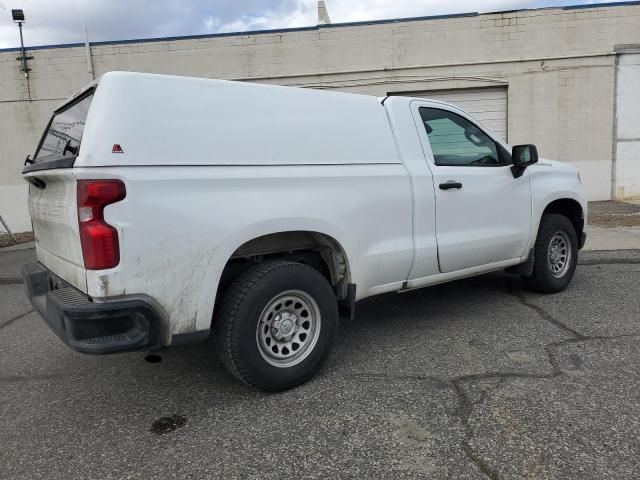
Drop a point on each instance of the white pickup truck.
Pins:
(167, 209)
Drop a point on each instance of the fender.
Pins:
(550, 182)
(238, 238)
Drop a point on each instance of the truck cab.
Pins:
(485, 208)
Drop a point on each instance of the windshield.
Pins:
(62, 138)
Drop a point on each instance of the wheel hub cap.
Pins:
(288, 328)
(559, 254)
(284, 326)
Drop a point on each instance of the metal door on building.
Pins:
(488, 104)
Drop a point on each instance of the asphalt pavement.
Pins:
(475, 379)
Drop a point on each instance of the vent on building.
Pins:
(323, 14)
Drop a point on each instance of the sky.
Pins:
(60, 21)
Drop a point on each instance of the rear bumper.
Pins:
(130, 323)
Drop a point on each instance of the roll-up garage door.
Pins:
(488, 105)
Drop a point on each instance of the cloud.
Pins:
(60, 21)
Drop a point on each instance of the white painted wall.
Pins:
(13, 205)
(627, 166)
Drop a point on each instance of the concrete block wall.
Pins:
(558, 65)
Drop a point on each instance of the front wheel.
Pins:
(276, 325)
(555, 254)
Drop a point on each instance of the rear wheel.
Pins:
(555, 253)
(276, 325)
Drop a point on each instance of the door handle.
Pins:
(450, 185)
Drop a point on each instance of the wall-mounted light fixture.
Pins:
(18, 15)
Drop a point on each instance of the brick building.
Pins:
(566, 79)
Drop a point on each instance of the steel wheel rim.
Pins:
(288, 328)
(559, 254)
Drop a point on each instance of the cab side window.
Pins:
(455, 141)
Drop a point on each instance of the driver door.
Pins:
(483, 213)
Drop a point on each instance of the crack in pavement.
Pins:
(465, 405)
(522, 299)
(465, 410)
(11, 281)
(10, 321)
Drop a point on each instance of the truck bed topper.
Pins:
(167, 120)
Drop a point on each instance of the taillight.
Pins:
(99, 240)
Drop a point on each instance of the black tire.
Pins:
(243, 306)
(543, 278)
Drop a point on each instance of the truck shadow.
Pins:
(474, 307)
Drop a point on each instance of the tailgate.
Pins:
(52, 191)
(54, 215)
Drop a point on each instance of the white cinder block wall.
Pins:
(559, 66)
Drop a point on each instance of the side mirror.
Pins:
(522, 156)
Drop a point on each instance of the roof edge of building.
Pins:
(319, 27)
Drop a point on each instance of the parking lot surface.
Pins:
(475, 379)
